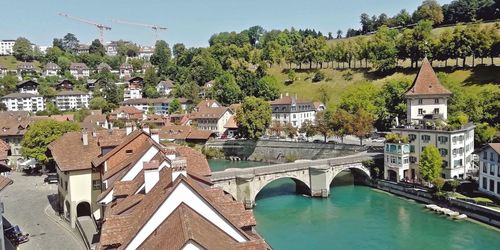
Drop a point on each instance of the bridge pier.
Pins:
(320, 181)
(245, 190)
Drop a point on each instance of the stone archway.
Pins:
(358, 168)
(83, 209)
(301, 186)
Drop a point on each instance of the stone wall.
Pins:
(282, 151)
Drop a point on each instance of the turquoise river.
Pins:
(357, 217)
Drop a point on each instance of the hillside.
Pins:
(11, 63)
(474, 79)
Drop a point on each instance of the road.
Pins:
(26, 204)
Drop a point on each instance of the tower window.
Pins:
(436, 101)
(419, 101)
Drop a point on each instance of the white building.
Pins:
(3, 70)
(396, 160)
(126, 70)
(209, 116)
(159, 105)
(291, 110)
(111, 49)
(26, 68)
(24, 102)
(426, 96)
(51, 69)
(79, 70)
(146, 53)
(489, 174)
(72, 100)
(6, 47)
(165, 87)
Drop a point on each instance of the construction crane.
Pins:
(154, 28)
(100, 27)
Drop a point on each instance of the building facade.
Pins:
(51, 69)
(290, 110)
(396, 161)
(126, 70)
(489, 173)
(79, 70)
(7, 47)
(72, 100)
(24, 102)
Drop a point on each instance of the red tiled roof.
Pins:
(4, 150)
(287, 100)
(231, 123)
(426, 82)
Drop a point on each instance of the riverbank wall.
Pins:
(474, 211)
(281, 151)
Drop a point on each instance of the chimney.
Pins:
(151, 175)
(85, 137)
(155, 135)
(128, 128)
(145, 128)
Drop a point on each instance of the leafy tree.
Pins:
(151, 92)
(225, 89)
(161, 56)
(57, 43)
(3, 107)
(340, 122)
(276, 128)
(291, 75)
(98, 103)
(438, 183)
(308, 128)
(323, 93)
(458, 120)
(254, 33)
(429, 10)
(391, 96)
(403, 18)
(361, 125)
(52, 109)
(253, 117)
(174, 106)
(204, 68)
(22, 49)
(128, 49)
(430, 163)
(484, 133)
(267, 88)
(322, 124)
(290, 130)
(318, 76)
(52, 54)
(81, 114)
(41, 134)
(454, 184)
(339, 34)
(97, 48)
(70, 43)
(8, 84)
(136, 63)
(383, 49)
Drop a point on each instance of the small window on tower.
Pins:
(419, 101)
(436, 101)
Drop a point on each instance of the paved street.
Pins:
(27, 205)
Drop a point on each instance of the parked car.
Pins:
(51, 178)
(318, 141)
(379, 139)
(332, 142)
(301, 139)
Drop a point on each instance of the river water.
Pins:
(358, 217)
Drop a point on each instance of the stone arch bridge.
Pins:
(311, 177)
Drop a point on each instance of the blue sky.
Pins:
(191, 22)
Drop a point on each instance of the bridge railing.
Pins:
(286, 167)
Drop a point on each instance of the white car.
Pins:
(380, 139)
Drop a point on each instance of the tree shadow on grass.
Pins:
(484, 75)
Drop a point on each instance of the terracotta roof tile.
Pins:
(231, 123)
(426, 82)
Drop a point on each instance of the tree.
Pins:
(161, 56)
(70, 43)
(150, 77)
(458, 120)
(225, 89)
(429, 10)
(383, 49)
(255, 33)
(267, 88)
(339, 34)
(151, 92)
(52, 109)
(290, 130)
(308, 128)
(22, 49)
(339, 123)
(276, 128)
(438, 183)
(484, 133)
(454, 184)
(97, 48)
(81, 114)
(430, 163)
(174, 106)
(253, 117)
(361, 125)
(98, 103)
(41, 134)
(322, 124)
(8, 84)
(403, 18)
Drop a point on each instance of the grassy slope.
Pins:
(473, 79)
(11, 63)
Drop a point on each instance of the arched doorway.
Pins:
(283, 186)
(83, 209)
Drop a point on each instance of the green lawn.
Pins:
(11, 63)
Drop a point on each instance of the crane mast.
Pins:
(100, 27)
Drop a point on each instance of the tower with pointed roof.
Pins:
(427, 98)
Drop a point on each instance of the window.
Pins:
(96, 184)
(436, 101)
(484, 183)
(426, 138)
(420, 101)
(491, 156)
(393, 160)
(420, 111)
(413, 159)
(399, 160)
(457, 163)
(443, 151)
(442, 139)
(485, 155)
(412, 137)
(492, 185)
(498, 187)
(436, 111)
(492, 169)
(412, 148)
(485, 168)
(406, 160)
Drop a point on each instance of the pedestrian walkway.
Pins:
(88, 229)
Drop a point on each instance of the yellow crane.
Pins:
(100, 27)
(155, 28)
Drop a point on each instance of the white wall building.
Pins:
(79, 70)
(3, 70)
(289, 109)
(396, 160)
(6, 47)
(126, 70)
(132, 92)
(165, 87)
(455, 145)
(489, 173)
(24, 102)
(51, 69)
(72, 100)
(212, 119)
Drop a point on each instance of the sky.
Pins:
(191, 22)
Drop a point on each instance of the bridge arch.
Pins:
(358, 168)
(302, 183)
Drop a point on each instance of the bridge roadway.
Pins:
(312, 177)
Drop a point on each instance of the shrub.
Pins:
(347, 75)
(318, 76)
(396, 138)
(212, 153)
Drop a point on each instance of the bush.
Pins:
(212, 153)
(291, 75)
(396, 138)
(291, 157)
(347, 75)
(318, 76)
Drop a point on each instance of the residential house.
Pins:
(156, 120)
(145, 53)
(319, 106)
(96, 120)
(4, 153)
(158, 106)
(489, 173)
(133, 91)
(64, 85)
(28, 86)
(207, 103)
(24, 102)
(3, 70)
(126, 113)
(79, 70)
(164, 87)
(426, 112)
(231, 128)
(103, 66)
(72, 100)
(82, 49)
(146, 66)
(59, 118)
(111, 48)
(206, 88)
(290, 110)
(212, 119)
(7, 47)
(79, 185)
(179, 119)
(126, 70)
(13, 126)
(51, 69)
(184, 133)
(26, 68)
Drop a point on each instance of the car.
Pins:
(379, 139)
(51, 178)
(301, 139)
(332, 142)
(318, 141)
